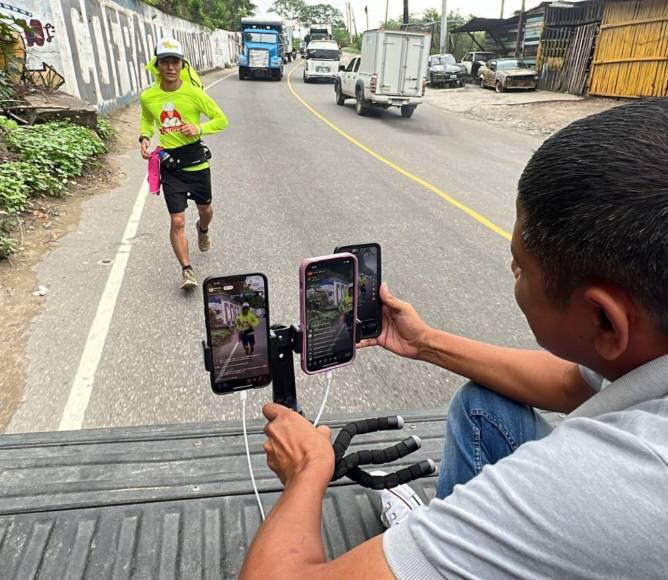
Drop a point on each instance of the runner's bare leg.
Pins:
(177, 235)
(205, 216)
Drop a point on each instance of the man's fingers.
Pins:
(388, 299)
(273, 410)
(367, 342)
(326, 431)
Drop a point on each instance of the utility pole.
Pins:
(520, 32)
(444, 27)
(503, 4)
(387, 10)
(366, 11)
(406, 15)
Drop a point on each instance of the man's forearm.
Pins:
(289, 542)
(536, 378)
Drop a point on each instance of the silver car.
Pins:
(508, 73)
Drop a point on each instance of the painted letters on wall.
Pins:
(97, 49)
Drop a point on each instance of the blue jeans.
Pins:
(482, 428)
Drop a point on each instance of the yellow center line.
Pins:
(423, 182)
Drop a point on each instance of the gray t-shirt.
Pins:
(588, 501)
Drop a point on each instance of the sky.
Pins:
(482, 8)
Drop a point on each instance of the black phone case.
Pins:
(208, 348)
(362, 335)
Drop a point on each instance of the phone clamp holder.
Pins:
(349, 465)
(283, 341)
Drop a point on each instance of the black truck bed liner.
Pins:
(163, 502)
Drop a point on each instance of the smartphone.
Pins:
(369, 305)
(328, 311)
(236, 310)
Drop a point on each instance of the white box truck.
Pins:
(391, 72)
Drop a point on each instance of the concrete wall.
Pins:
(97, 49)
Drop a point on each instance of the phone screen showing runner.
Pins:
(369, 306)
(328, 310)
(237, 326)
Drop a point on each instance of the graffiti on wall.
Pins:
(31, 32)
(99, 48)
(111, 44)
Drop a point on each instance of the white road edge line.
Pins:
(82, 386)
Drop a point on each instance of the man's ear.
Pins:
(612, 319)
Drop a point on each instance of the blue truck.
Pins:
(262, 52)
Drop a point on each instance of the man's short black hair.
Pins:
(593, 202)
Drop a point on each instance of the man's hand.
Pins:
(403, 329)
(189, 130)
(145, 144)
(295, 446)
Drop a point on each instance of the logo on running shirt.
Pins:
(170, 119)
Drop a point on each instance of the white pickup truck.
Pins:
(391, 72)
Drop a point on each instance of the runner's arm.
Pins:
(146, 121)
(217, 119)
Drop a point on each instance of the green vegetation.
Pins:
(430, 21)
(44, 158)
(305, 14)
(226, 14)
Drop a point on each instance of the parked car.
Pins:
(442, 70)
(391, 72)
(321, 60)
(472, 61)
(508, 73)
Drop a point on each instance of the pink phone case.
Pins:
(302, 308)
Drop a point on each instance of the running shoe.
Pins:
(203, 239)
(189, 280)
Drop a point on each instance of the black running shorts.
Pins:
(179, 186)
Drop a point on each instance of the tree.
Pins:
(431, 15)
(322, 14)
(225, 14)
(289, 9)
(430, 21)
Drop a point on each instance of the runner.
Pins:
(246, 324)
(174, 105)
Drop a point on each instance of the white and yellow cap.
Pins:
(169, 47)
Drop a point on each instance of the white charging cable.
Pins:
(324, 399)
(242, 395)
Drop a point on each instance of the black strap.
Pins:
(186, 155)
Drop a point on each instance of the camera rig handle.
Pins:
(349, 465)
(283, 341)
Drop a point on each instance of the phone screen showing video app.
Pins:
(330, 313)
(369, 305)
(238, 325)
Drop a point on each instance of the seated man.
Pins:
(586, 500)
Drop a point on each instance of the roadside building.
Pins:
(612, 48)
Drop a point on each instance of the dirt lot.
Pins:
(537, 113)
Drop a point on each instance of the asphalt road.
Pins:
(286, 186)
